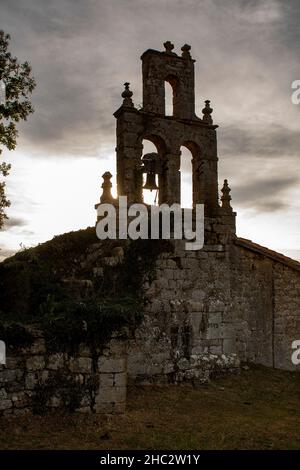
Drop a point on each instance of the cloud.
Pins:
(13, 222)
(270, 141)
(265, 195)
(82, 52)
(246, 55)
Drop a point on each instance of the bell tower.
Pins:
(168, 133)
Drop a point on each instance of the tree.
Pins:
(17, 85)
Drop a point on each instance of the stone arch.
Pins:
(156, 140)
(174, 83)
(197, 178)
(153, 197)
(193, 147)
(186, 177)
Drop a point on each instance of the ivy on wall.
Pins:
(33, 291)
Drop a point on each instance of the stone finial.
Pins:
(106, 196)
(226, 198)
(186, 51)
(207, 111)
(127, 94)
(169, 47)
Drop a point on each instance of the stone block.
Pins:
(112, 365)
(183, 364)
(20, 400)
(55, 361)
(213, 331)
(117, 347)
(79, 378)
(229, 346)
(199, 347)
(214, 318)
(120, 379)
(216, 350)
(35, 363)
(5, 404)
(8, 376)
(194, 306)
(14, 362)
(38, 347)
(195, 320)
(80, 365)
(84, 351)
(54, 402)
(22, 412)
(84, 409)
(106, 380)
(227, 331)
(32, 379)
(196, 294)
(110, 407)
(168, 368)
(110, 394)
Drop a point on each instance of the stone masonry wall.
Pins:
(266, 304)
(251, 292)
(210, 309)
(189, 331)
(34, 380)
(206, 311)
(286, 314)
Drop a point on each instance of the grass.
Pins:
(260, 409)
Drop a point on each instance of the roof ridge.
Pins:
(281, 258)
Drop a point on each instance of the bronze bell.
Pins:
(150, 182)
(149, 165)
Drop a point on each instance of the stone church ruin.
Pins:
(205, 311)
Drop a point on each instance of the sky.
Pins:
(247, 56)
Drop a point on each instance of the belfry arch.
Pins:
(186, 177)
(169, 99)
(150, 181)
(167, 133)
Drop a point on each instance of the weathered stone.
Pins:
(112, 365)
(194, 306)
(111, 394)
(32, 379)
(55, 361)
(7, 375)
(20, 400)
(35, 363)
(14, 362)
(110, 407)
(84, 351)
(38, 347)
(81, 364)
(117, 347)
(120, 379)
(106, 380)
(5, 404)
(84, 409)
(3, 394)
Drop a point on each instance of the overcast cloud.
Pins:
(247, 55)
